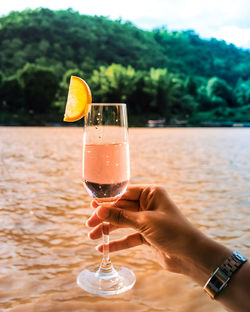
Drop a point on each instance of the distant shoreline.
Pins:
(201, 125)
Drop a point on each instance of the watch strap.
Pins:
(233, 263)
(222, 275)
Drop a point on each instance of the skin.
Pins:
(178, 246)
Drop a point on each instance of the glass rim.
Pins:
(108, 104)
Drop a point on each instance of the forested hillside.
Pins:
(159, 74)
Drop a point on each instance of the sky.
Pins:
(222, 19)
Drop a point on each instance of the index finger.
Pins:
(133, 192)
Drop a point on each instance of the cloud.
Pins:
(234, 34)
(222, 19)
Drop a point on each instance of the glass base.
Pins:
(116, 281)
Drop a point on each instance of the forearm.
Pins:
(204, 257)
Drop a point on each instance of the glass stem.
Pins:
(105, 232)
(106, 265)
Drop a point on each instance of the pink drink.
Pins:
(106, 169)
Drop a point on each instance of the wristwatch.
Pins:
(222, 275)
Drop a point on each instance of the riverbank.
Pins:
(228, 117)
(227, 124)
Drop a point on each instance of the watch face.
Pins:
(239, 256)
(216, 282)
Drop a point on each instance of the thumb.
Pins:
(117, 216)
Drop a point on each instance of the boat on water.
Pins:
(156, 123)
(159, 123)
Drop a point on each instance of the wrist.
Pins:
(204, 256)
(221, 277)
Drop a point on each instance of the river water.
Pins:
(43, 207)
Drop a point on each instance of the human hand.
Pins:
(157, 221)
(178, 245)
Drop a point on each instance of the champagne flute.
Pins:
(106, 173)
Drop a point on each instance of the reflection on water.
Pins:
(43, 207)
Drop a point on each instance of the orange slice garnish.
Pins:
(79, 99)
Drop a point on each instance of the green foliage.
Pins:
(11, 95)
(159, 74)
(220, 92)
(242, 92)
(39, 85)
(114, 83)
(163, 89)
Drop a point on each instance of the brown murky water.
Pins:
(43, 207)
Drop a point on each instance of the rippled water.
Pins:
(43, 207)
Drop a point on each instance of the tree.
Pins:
(39, 85)
(158, 73)
(114, 83)
(203, 99)
(163, 90)
(11, 95)
(218, 90)
(242, 92)
(1, 78)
